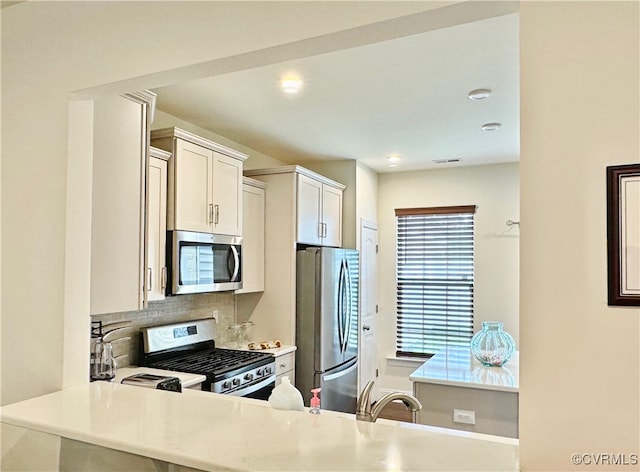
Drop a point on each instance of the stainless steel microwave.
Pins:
(203, 262)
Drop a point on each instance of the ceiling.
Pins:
(405, 96)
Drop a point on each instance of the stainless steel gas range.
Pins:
(190, 347)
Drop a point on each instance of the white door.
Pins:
(368, 306)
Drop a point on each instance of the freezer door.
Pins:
(339, 388)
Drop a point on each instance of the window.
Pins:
(435, 254)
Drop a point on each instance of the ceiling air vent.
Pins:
(446, 161)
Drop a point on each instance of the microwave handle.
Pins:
(236, 263)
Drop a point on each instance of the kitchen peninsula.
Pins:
(206, 431)
(457, 391)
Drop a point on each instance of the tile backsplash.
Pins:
(170, 310)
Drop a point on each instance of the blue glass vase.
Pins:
(492, 346)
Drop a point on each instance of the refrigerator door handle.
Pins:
(344, 312)
(340, 307)
(337, 375)
(349, 307)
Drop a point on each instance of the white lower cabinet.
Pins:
(286, 366)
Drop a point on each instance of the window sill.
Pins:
(405, 361)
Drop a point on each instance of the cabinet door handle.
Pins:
(283, 366)
(366, 327)
(210, 213)
(163, 279)
(319, 230)
(149, 279)
(217, 213)
(322, 229)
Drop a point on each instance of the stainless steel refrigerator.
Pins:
(327, 326)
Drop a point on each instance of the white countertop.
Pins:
(187, 380)
(276, 351)
(458, 367)
(212, 432)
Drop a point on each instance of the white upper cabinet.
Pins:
(331, 216)
(317, 203)
(190, 187)
(118, 256)
(253, 241)
(205, 183)
(319, 212)
(227, 195)
(309, 210)
(156, 277)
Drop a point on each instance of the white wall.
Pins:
(366, 196)
(256, 159)
(494, 189)
(580, 112)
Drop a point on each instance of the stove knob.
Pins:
(236, 382)
(226, 384)
(248, 377)
(267, 371)
(259, 373)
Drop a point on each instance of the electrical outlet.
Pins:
(214, 315)
(464, 416)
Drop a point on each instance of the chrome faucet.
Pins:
(365, 412)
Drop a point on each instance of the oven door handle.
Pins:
(244, 391)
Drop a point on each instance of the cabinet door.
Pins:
(227, 195)
(253, 209)
(117, 225)
(331, 216)
(157, 228)
(309, 210)
(193, 169)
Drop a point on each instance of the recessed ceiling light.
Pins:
(291, 84)
(393, 159)
(491, 126)
(479, 94)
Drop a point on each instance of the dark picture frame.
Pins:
(623, 234)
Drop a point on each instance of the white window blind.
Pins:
(435, 255)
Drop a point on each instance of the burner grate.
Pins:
(212, 362)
